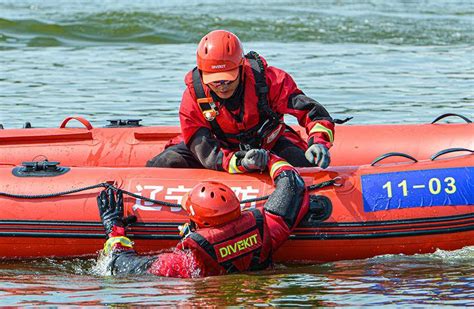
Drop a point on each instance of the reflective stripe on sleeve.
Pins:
(320, 128)
(233, 168)
(277, 165)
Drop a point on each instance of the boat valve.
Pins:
(320, 209)
(43, 168)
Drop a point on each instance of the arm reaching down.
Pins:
(288, 204)
(122, 258)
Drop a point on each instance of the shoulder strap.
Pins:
(258, 220)
(209, 249)
(256, 263)
(197, 84)
(206, 104)
(261, 86)
(269, 119)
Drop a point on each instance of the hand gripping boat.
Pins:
(359, 210)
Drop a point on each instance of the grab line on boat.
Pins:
(331, 182)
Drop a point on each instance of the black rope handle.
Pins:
(393, 154)
(158, 202)
(449, 150)
(162, 203)
(449, 115)
(342, 121)
(38, 196)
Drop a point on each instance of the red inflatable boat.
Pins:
(362, 210)
(127, 144)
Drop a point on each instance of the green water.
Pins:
(442, 278)
(379, 61)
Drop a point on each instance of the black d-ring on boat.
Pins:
(449, 150)
(393, 154)
(449, 115)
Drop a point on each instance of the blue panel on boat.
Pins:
(423, 188)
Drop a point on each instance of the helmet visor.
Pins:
(209, 77)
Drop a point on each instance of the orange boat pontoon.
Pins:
(364, 210)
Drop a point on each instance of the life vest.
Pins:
(269, 125)
(240, 245)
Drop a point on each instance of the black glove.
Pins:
(255, 159)
(111, 210)
(318, 154)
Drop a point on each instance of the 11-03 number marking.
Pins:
(418, 188)
(435, 186)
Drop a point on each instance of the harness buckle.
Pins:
(208, 108)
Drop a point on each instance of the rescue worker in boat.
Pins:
(232, 112)
(220, 238)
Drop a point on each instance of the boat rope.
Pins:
(38, 196)
(158, 202)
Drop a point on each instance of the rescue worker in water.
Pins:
(232, 112)
(220, 239)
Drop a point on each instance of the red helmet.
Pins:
(219, 56)
(211, 203)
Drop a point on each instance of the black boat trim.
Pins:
(316, 236)
(394, 222)
(318, 225)
(82, 223)
(338, 229)
(150, 230)
(153, 231)
(324, 236)
(82, 236)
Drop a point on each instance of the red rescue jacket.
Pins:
(281, 90)
(249, 247)
(246, 243)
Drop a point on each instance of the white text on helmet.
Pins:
(218, 66)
